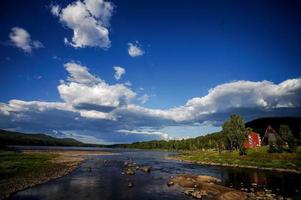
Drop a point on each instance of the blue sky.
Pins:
(247, 52)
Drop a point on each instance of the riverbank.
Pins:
(255, 158)
(21, 170)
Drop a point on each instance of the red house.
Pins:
(253, 140)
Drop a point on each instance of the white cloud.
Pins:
(119, 71)
(162, 135)
(100, 9)
(263, 96)
(56, 57)
(20, 38)
(15, 105)
(134, 49)
(247, 94)
(89, 104)
(89, 21)
(128, 83)
(83, 89)
(66, 41)
(55, 10)
(144, 98)
(80, 74)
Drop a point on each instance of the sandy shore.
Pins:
(63, 164)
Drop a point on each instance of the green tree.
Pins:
(236, 133)
(287, 136)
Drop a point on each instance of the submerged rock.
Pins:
(130, 185)
(130, 172)
(170, 183)
(146, 169)
(89, 169)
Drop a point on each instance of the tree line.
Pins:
(232, 137)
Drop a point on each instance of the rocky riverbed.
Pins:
(208, 187)
(138, 175)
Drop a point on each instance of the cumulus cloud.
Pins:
(55, 10)
(134, 49)
(20, 38)
(80, 74)
(119, 71)
(92, 107)
(144, 98)
(86, 90)
(89, 20)
(247, 94)
(162, 135)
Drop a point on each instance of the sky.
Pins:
(120, 71)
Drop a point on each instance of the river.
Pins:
(106, 181)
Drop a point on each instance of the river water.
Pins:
(106, 181)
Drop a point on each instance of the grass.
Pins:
(15, 164)
(22, 170)
(255, 157)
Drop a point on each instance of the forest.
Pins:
(230, 137)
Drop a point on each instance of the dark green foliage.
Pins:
(15, 138)
(287, 136)
(285, 132)
(232, 137)
(236, 133)
(14, 163)
(275, 148)
(210, 141)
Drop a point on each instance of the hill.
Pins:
(260, 125)
(16, 138)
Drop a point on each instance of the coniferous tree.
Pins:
(288, 137)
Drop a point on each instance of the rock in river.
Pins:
(130, 185)
(200, 186)
(170, 183)
(146, 169)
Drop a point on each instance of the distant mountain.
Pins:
(16, 138)
(260, 125)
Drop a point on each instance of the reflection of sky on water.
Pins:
(105, 181)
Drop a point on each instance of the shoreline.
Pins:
(62, 164)
(235, 165)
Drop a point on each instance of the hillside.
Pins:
(16, 138)
(260, 125)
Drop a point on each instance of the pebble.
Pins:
(130, 185)
(170, 183)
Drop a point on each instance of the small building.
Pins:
(271, 135)
(253, 140)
